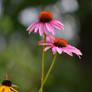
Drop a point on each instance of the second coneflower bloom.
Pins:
(60, 45)
(45, 24)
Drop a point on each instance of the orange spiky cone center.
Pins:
(60, 42)
(45, 16)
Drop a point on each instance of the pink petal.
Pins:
(59, 50)
(55, 24)
(50, 38)
(43, 44)
(39, 43)
(41, 29)
(36, 28)
(45, 29)
(31, 28)
(52, 29)
(46, 48)
(66, 50)
(54, 50)
(74, 50)
(48, 27)
(58, 22)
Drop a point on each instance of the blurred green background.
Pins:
(20, 56)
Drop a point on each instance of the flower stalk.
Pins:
(43, 54)
(49, 71)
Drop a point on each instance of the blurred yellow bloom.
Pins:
(4, 88)
(6, 85)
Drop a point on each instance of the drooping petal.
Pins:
(36, 28)
(52, 29)
(41, 29)
(45, 29)
(46, 48)
(58, 22)
(53, 38)
(59, 50)
(66, 50)
(48, 27)
(49, 38)
(54, 51)
(31, 28)
(74, 50)
(58, 26)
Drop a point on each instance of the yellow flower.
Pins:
(6, 87)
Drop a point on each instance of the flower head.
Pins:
(45, 16)
(45, 24)
(59, 45)
(6, 86)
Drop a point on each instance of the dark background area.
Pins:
(20, 56)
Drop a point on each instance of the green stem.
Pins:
(49, 71)
(43, 54)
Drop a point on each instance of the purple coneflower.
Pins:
(60, 45)
(45, 23)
